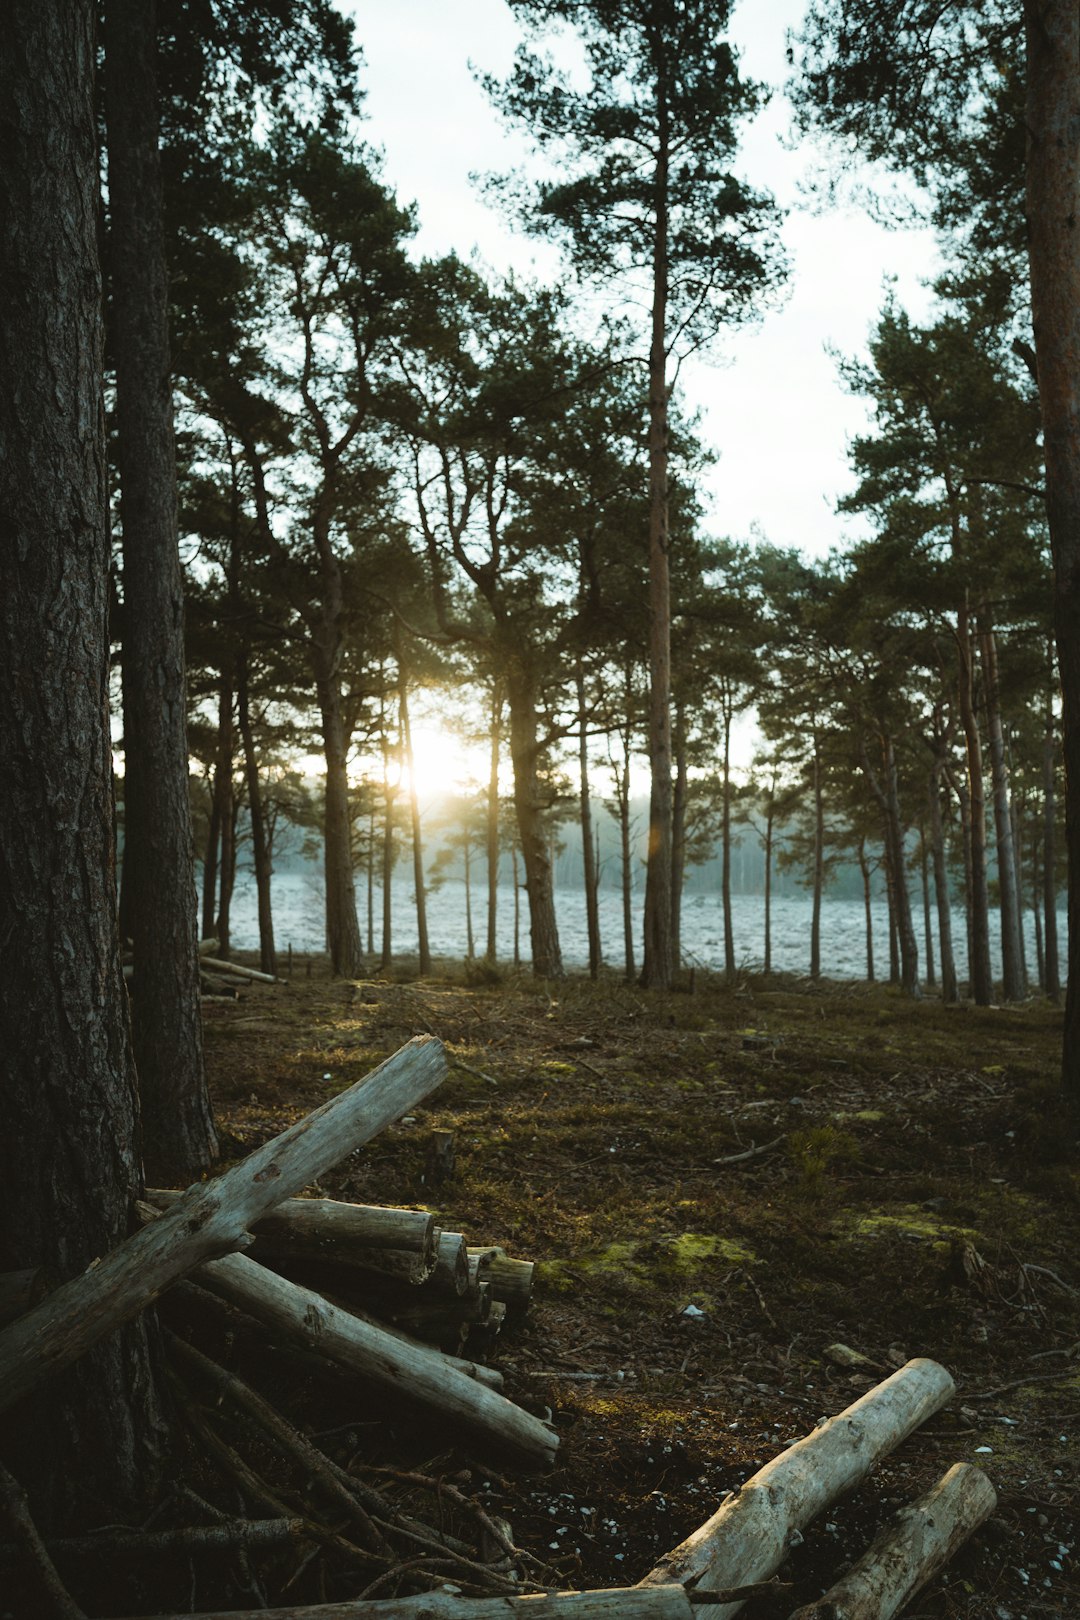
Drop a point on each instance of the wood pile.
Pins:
(412, 1311)
(218, 980)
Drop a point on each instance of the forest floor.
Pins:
(922, 1198)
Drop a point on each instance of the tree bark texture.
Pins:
(69, 1150)
(942, 898)
(725, 856)
(982, 982)
(178, 1129)
(588, 853)
(1052, 972)
(419, 883)
(492, 825)
(1053, 211)
(342, 924)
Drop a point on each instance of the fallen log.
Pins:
(748, 1536)
(237, 969)
(621, 1603)
(922, 1538)
(413, 1372)
(511, 1280)
(210, 1219)
(249, 1534)
(401, 1243)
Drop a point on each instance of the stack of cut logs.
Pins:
(402, 1259)
(395, 1265)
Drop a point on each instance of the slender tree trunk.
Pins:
(884, 787)
(470, 942)
(1036, 916)
(493, 821)
(1049, 852)
(69, 1149)
(517, 906)
(659, 963)
(210, 864)
(982, 983)
(1012, 970)
(770, 822)
(226, 807)
(388, 852)
(725, 855)
(371, 884)
(894, 931)
(679, 799)
(819, 865)
(592, 911)
(626, 860)
(342, 924)
(928, 931)
(868, 913)
(1052, 174)
(530, 803)
(260, 842)
(942, 898)
(419, 883)
(178, 1126)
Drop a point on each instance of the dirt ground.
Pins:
(918, 1195)
(719, 1187)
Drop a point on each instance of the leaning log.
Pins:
(413, 1372)
(209, 1220)
(621, 1603)
(237, 970)
(748, 1536)
(401, 1243)
(921, 1538)
(20, 1290)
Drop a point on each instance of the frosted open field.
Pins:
(298, 920)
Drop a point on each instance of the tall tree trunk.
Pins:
(1036, 916)
(770, 823)
(928, 931)
(530, 803)
(260, 840)
(342, 924)
(419, 883)
(1053, 202)
(1049, 851)
(388, 854)
(819, 864)
(679, 831)
(659, 962)
(883, 785)
(210, 864)
(1012, 970)
(942, 898)
(982, 983)
(868, 912)
(225, 799)
(517, 905)
(69, 1149)
(493, 821)
(371, 883)
(626, 861)
(592, 912)
(470, 942)
(725, 855)
(167, 1027)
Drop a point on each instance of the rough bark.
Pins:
(725, 856)
(819, 864)
(178, 1130)
(942, 898)
(974, 805)
(1053, 207)
(883, 785)
(342, 924)
(620, 1603)
(928, 930)
(225, 805)
(1052, 975)
(492, 827)
(868, 914)
(69, 1150)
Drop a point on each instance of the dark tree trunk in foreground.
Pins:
(69, 1159)
(1053, 205)
(178, 1127)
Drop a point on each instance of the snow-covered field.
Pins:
(298, 920)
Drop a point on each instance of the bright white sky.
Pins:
(774, 407)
